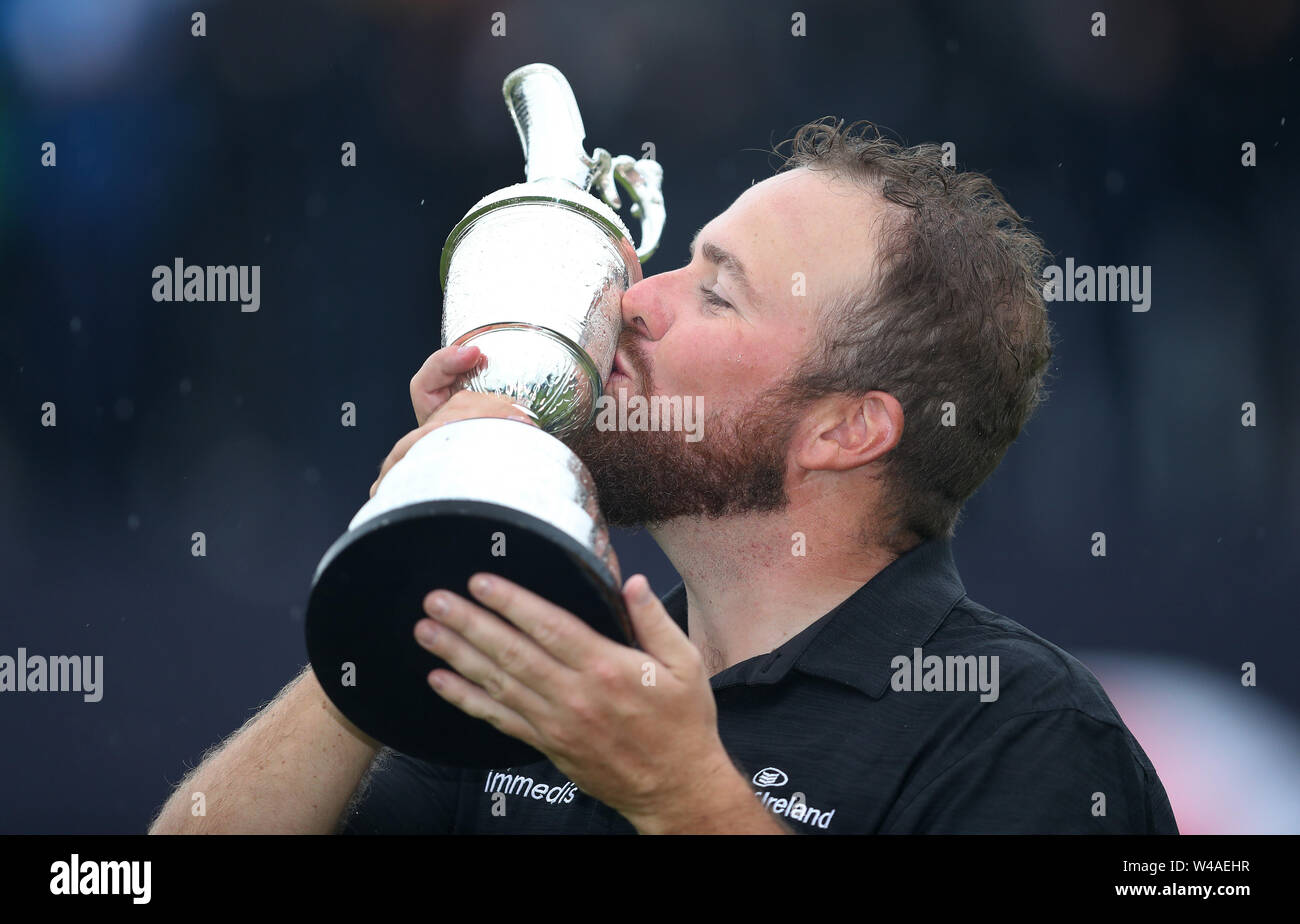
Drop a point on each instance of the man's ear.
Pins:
(844, 432)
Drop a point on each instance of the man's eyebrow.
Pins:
(720, 256)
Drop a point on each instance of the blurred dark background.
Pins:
(225, 149)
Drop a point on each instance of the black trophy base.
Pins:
(369, 594)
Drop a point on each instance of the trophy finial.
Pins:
(545, 112)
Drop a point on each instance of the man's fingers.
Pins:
(431, 385)
(556, 631)
(655, 630)
(475, 666)
(476, 703)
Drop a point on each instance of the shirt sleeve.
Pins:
(1054, 772)
(403, 795)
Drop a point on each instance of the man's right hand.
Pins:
(431, 385)
(435, 405)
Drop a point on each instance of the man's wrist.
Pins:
(722, 802)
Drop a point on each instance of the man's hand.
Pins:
(637, 730)
(431, 385)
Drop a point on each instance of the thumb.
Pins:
(655, 630)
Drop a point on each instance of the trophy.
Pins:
(533, 275)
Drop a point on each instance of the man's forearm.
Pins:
(747, 816)
(291, 770)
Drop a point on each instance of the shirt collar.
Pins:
(898, 609)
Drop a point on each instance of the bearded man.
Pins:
(867, 335)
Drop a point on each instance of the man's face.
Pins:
(727, 331)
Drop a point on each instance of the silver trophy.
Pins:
(533, 275)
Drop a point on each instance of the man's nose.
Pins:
(646, 307)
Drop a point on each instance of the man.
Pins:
(867, 332)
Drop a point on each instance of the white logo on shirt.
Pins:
(770, 776)
(516, 784)
(794, 806)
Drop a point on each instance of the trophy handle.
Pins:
(643, 180)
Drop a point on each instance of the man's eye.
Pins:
(713, 299)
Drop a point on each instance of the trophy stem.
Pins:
(539, 369)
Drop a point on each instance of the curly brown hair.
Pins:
(955, 313)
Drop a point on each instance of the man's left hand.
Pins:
(636, 729)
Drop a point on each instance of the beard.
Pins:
(646, 477)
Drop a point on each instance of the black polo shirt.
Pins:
(909, 708)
